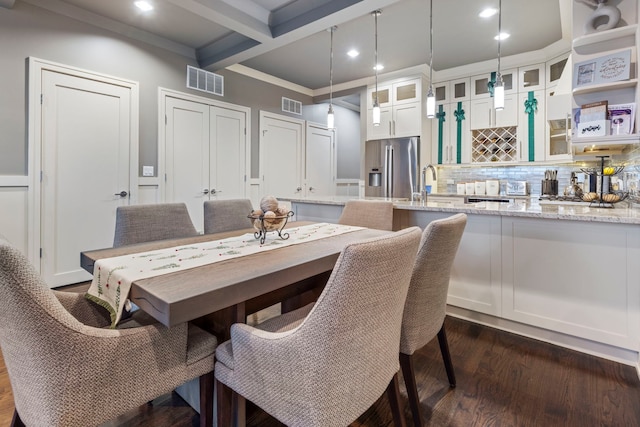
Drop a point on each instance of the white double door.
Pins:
(205, 154)
(85, 144)
(297, 158)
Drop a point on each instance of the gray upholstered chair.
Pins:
(424, 311)
(67, 370)
(147, 223)
(376, 214)
(325, 364)
(226, 215)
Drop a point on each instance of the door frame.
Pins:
(35, 68)
(163, 94)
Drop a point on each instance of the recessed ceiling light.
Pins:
(379, 67)
(353, 53)
(502, 36)
(143, 5)
(488, 12)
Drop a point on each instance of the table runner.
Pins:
(112, 277)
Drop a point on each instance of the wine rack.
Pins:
(494, 145)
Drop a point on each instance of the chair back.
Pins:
(226, 215)
(352, 333)
(147, 223)
(425, 307)
(38, 340)
(376, 214)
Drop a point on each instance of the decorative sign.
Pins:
(606, 69)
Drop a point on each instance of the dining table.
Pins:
(219, 294)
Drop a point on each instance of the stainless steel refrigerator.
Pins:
(392, 167)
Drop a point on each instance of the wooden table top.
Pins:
(189, 294)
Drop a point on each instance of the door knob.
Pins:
(122, 194)
(299, 189)
(310, 188)
(214, 191)
(205, 191)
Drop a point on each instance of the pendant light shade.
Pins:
(330, 116)
(376, 104)
(431, 98)
(498, 94)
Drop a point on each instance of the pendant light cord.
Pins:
(431, 44)
(375, 14)
(331, 69)
(499, 33)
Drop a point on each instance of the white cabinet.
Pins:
(554, 69)
(558, 127)
(531, 77)
(451, 138)
(531, 126)
(400, 110)
(480, 83)
(483, 115)
(460, 89)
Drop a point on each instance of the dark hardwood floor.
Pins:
(502, 380)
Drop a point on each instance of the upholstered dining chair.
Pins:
(147, 223)
(376, 214)
(325, 364)
(66, 368)
(424, 310)
(226, 215)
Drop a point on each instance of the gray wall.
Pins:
(29, 31)
(347, 137)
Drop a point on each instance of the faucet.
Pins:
(423, 190)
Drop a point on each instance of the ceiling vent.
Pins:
(205, 81)
(291, 106)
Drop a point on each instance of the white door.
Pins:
(187, 156)
(85, 155)
(281, 145)
(227, 151)
(320, 161)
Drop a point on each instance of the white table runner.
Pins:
(112, 277)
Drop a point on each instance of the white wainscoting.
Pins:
(350, 187)
(14, 211)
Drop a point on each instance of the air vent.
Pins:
(205, 81)
(291, 106)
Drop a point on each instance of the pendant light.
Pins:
(376, 104)
(431, 98)
(498, 93)
(330, 115)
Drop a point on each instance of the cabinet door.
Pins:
(481, 114)
(508, 116)
(558, 127)
(554, 69)
(531, 126)
(441, 91)
(531, 77)
(440, 135)
(382, 131)
(407, 120)
(480, 86)
(460, 132)
(384, 96)
(460, 90)
(406, 92)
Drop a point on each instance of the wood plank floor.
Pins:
(503, 380)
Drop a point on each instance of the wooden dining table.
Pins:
(217, 295)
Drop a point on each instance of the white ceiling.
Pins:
(288, 38)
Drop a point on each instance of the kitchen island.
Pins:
(561, 273)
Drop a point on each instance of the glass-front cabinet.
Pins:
(558, 138)
(531, 77)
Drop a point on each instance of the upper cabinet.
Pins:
(400, 109)
(554, 69)
(460, 89)
(481, 84)
(531, 77)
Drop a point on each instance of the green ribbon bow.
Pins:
(492, 83)
(531, 108)
(440, 116)
(459, 113)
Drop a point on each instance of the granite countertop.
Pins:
(528, 207)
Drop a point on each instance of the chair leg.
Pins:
(224, 401)
(393, 394)
(206, 400)
(16, 421)
(446, 356)
(406, 364)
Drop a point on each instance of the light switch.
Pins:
(147, 170)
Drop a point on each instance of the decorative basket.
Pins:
(270, 223)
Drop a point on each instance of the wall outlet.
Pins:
(450, 182)
(147, 170)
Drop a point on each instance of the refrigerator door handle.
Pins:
(386, 171)
(390, 189)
